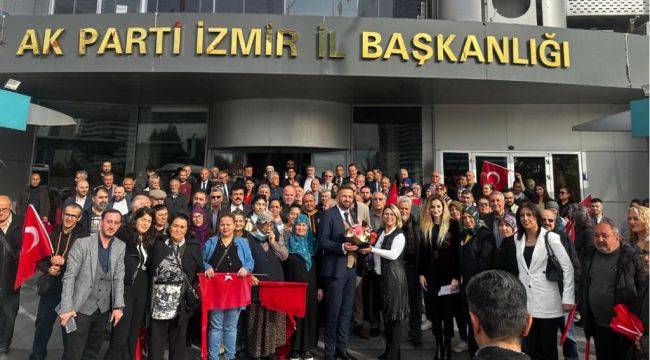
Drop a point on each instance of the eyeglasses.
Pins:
(216, 197)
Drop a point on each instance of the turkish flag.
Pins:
(392, 194)
(36, 245)
(494, 174)
(222, 291)
(586, 202)
(285, 297)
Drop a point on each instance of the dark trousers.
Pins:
(372, 296)
(85, 342)
(472, 347)
(461, 316)
(415, 303)
(45, 319)
(125, 334)
(339, 295)
(440, 312)
(611, 345)
(393, 336)
(541, 342)
(172, 333)
(8, 310)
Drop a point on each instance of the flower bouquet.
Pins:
(359, 235)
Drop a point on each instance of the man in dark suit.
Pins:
(214, 209)
(339, 272)
(223, 182)
(81, 197)
(11, 240)
(236, 201)
(204, 182)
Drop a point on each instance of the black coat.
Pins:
(584, 239)
(631, 282)
(176, 205)
(44, 264)
(132, 256)
(43, 201)
(476, 254)
(497, 353)
(439, 265)
(505, 257)
(9, 254)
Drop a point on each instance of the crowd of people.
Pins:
(506, 266)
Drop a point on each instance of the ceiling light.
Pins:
(12, 84)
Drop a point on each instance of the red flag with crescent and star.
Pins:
(36, 245)
(494, 174)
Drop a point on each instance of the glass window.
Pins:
(168, 138)
(176, 5)
(85, 7)
(369, 8)
(233, 161)
(328, 160)
(454, 165)
(409, 9)
(101, 133)
(264, 6)
(531, 168)
(207, 6)
(346, 8)
(566, 172)
(310, 7)
(120, 6)
(64, 7)
(229, 6)
(388, 138)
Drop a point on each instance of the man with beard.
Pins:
(92, 217)
(366, 195)
(118, 202)
(80, 197)
(53, 268)
(509, 197)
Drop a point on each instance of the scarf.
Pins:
(478, 223)
(199, 231)
(304, 246)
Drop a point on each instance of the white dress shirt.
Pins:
(80, 201)
(121, 206)
(393, 253)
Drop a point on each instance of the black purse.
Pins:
(191, 299)
(554, 270)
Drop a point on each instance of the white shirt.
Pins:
(393, 253)
(307, 184)
(235, 207)
(121, 206)
(343, 212)
(143, 251)
(5, 228)
(80, 201)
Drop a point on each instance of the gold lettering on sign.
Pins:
(29, 43)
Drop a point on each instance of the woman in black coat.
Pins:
(437, 264)
(164, 266)
(139, 238)
(505, 257)
(475, 256)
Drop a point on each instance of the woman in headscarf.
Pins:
(199, 227)
(258, 205)
(300, 266)
(266, 329)
(505, 257)
(475, 256)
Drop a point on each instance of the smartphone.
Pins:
(70, 326)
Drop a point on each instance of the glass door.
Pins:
(533, 168)
(498, 159)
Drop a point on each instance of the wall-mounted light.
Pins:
(12, 84)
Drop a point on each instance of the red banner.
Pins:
(36, 245)
(286, 297)
(494, 174)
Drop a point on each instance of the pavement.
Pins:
(360, 348)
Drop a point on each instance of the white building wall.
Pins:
(616, 164)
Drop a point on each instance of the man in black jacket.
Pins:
(612, 273)
(10, 241)
(498, 313)
(37, 195)
(53, 268)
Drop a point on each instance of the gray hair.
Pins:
(263, 186)
(498, 193)
(404, 199)
(498, 299)
(611, 224)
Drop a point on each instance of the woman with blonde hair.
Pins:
(638, 232)
(437, 267)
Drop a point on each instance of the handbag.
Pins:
(191, 298)
(554, 270)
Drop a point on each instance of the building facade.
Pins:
(393, 84)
